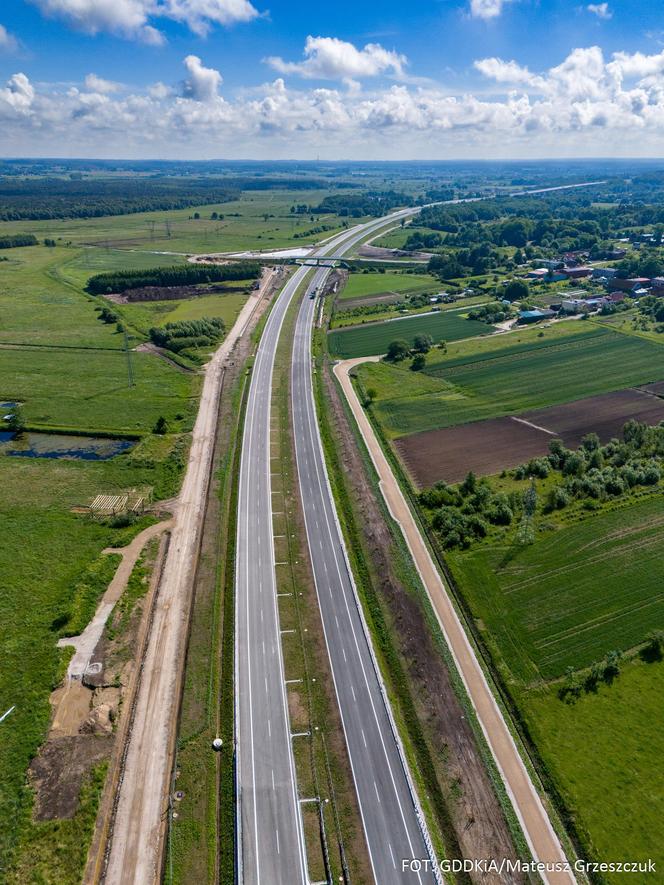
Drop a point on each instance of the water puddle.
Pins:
(33, 444)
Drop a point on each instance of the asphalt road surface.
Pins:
(271, 842)
(390, 817)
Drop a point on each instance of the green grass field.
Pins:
(364, 285)
(144, 315)
(577, 593)
(37, 306)
(396, 238)
(374, 338)
(504, 375)
(89, 390)
(45, 550)
(605, 752)
(68, 369)
(244, 226)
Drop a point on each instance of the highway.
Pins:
(271, 843)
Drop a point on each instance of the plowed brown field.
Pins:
(486, 447)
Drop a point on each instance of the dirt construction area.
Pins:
(487, 447)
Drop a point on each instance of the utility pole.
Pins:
(130, 370)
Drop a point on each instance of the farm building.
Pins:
(577, 273)
(583, 305)
(628, 285)
(534, 316)
(546, 275)
(604, 273)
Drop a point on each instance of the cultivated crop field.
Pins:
(578, 592)
(509, 378)
(366, 285)
(374, 338)
(487, 447)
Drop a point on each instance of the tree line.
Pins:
(190, 274)
(47, 198)
(12, 241)
(590, 475)
(374, 203)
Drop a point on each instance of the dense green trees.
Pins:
(45, 198)
(397, 350)
(422, 343)
(420, 240)
(516, 290)
(12, 241)
(491, 313)
(185, 275)
(361, 203)
(189, 333)
(592, 474)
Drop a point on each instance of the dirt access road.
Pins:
(544, 843)
(135, 853)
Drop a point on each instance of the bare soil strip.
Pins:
(86, 642)
(527, 803)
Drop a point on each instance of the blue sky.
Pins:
(437, 79)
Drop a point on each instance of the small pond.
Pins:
(57, 445)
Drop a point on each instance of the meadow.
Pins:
(38, 306)
(504, 375)
(68, 370)
(45, 552)
(259, 219)
(143, 315)
(395, 239)
(366, 285)
(89, 389)
(374, 338)
(605, 753)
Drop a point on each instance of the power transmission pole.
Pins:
(130, 370)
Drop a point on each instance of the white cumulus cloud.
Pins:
(328, 58)
(203, 83)
(200, 15)
(134, 19)
(487, 9)
(18, 95)
(93, 83)
(506, 71)
(588, 103)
